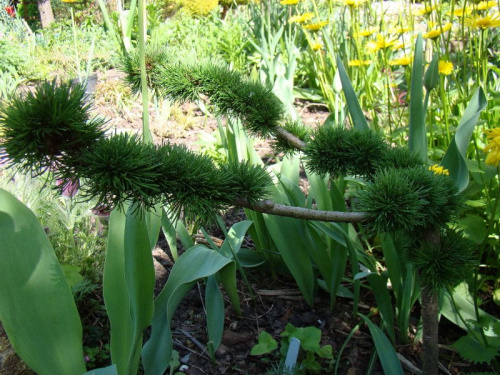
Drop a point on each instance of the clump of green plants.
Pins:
(313, 357)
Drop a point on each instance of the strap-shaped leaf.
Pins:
(417, 137)
(215, 314)
(357, 115)
(385, 350)
(37, 308)
(455, 158)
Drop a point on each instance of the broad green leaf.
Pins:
(418, 136)
(325, 352)
(140, 278)
(462, 300)
(474, 351)
(455, 158)
(357, 115)
(116, 297)
(251, 258)
(474, 228)
(235, 238)
(214, 304)
(128, 286)
(265, 345)
(36, 304)
(196, 263)
(309, 337)
(110, 370)
(386, 353)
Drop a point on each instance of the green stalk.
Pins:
(77, 56)
(146, 134)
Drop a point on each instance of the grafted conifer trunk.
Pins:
(430, 317)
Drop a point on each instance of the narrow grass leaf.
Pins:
(386, 353)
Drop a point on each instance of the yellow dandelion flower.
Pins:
(433, 34)
(399, 30)
(359, 62)
(397, 46)
(493, 146)
(315, 26)
(289, 2)
(461, 12)
(316, 46)
(492, 133)
(403, 61)
(484, 5)
(445, 67)
(493, 150)
(485, 22)
(439, 170)
(367, 32)
(301, 18)
(380, 43)
(426, 10)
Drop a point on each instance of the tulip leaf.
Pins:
(196, 263)
(455, 158)
(37, 308)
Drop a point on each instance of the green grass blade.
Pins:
(386, 353)
(357, 115)
(455, 158)
(37, 308)
(417, 137)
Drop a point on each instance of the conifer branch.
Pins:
(290, 138)
(272, 208)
